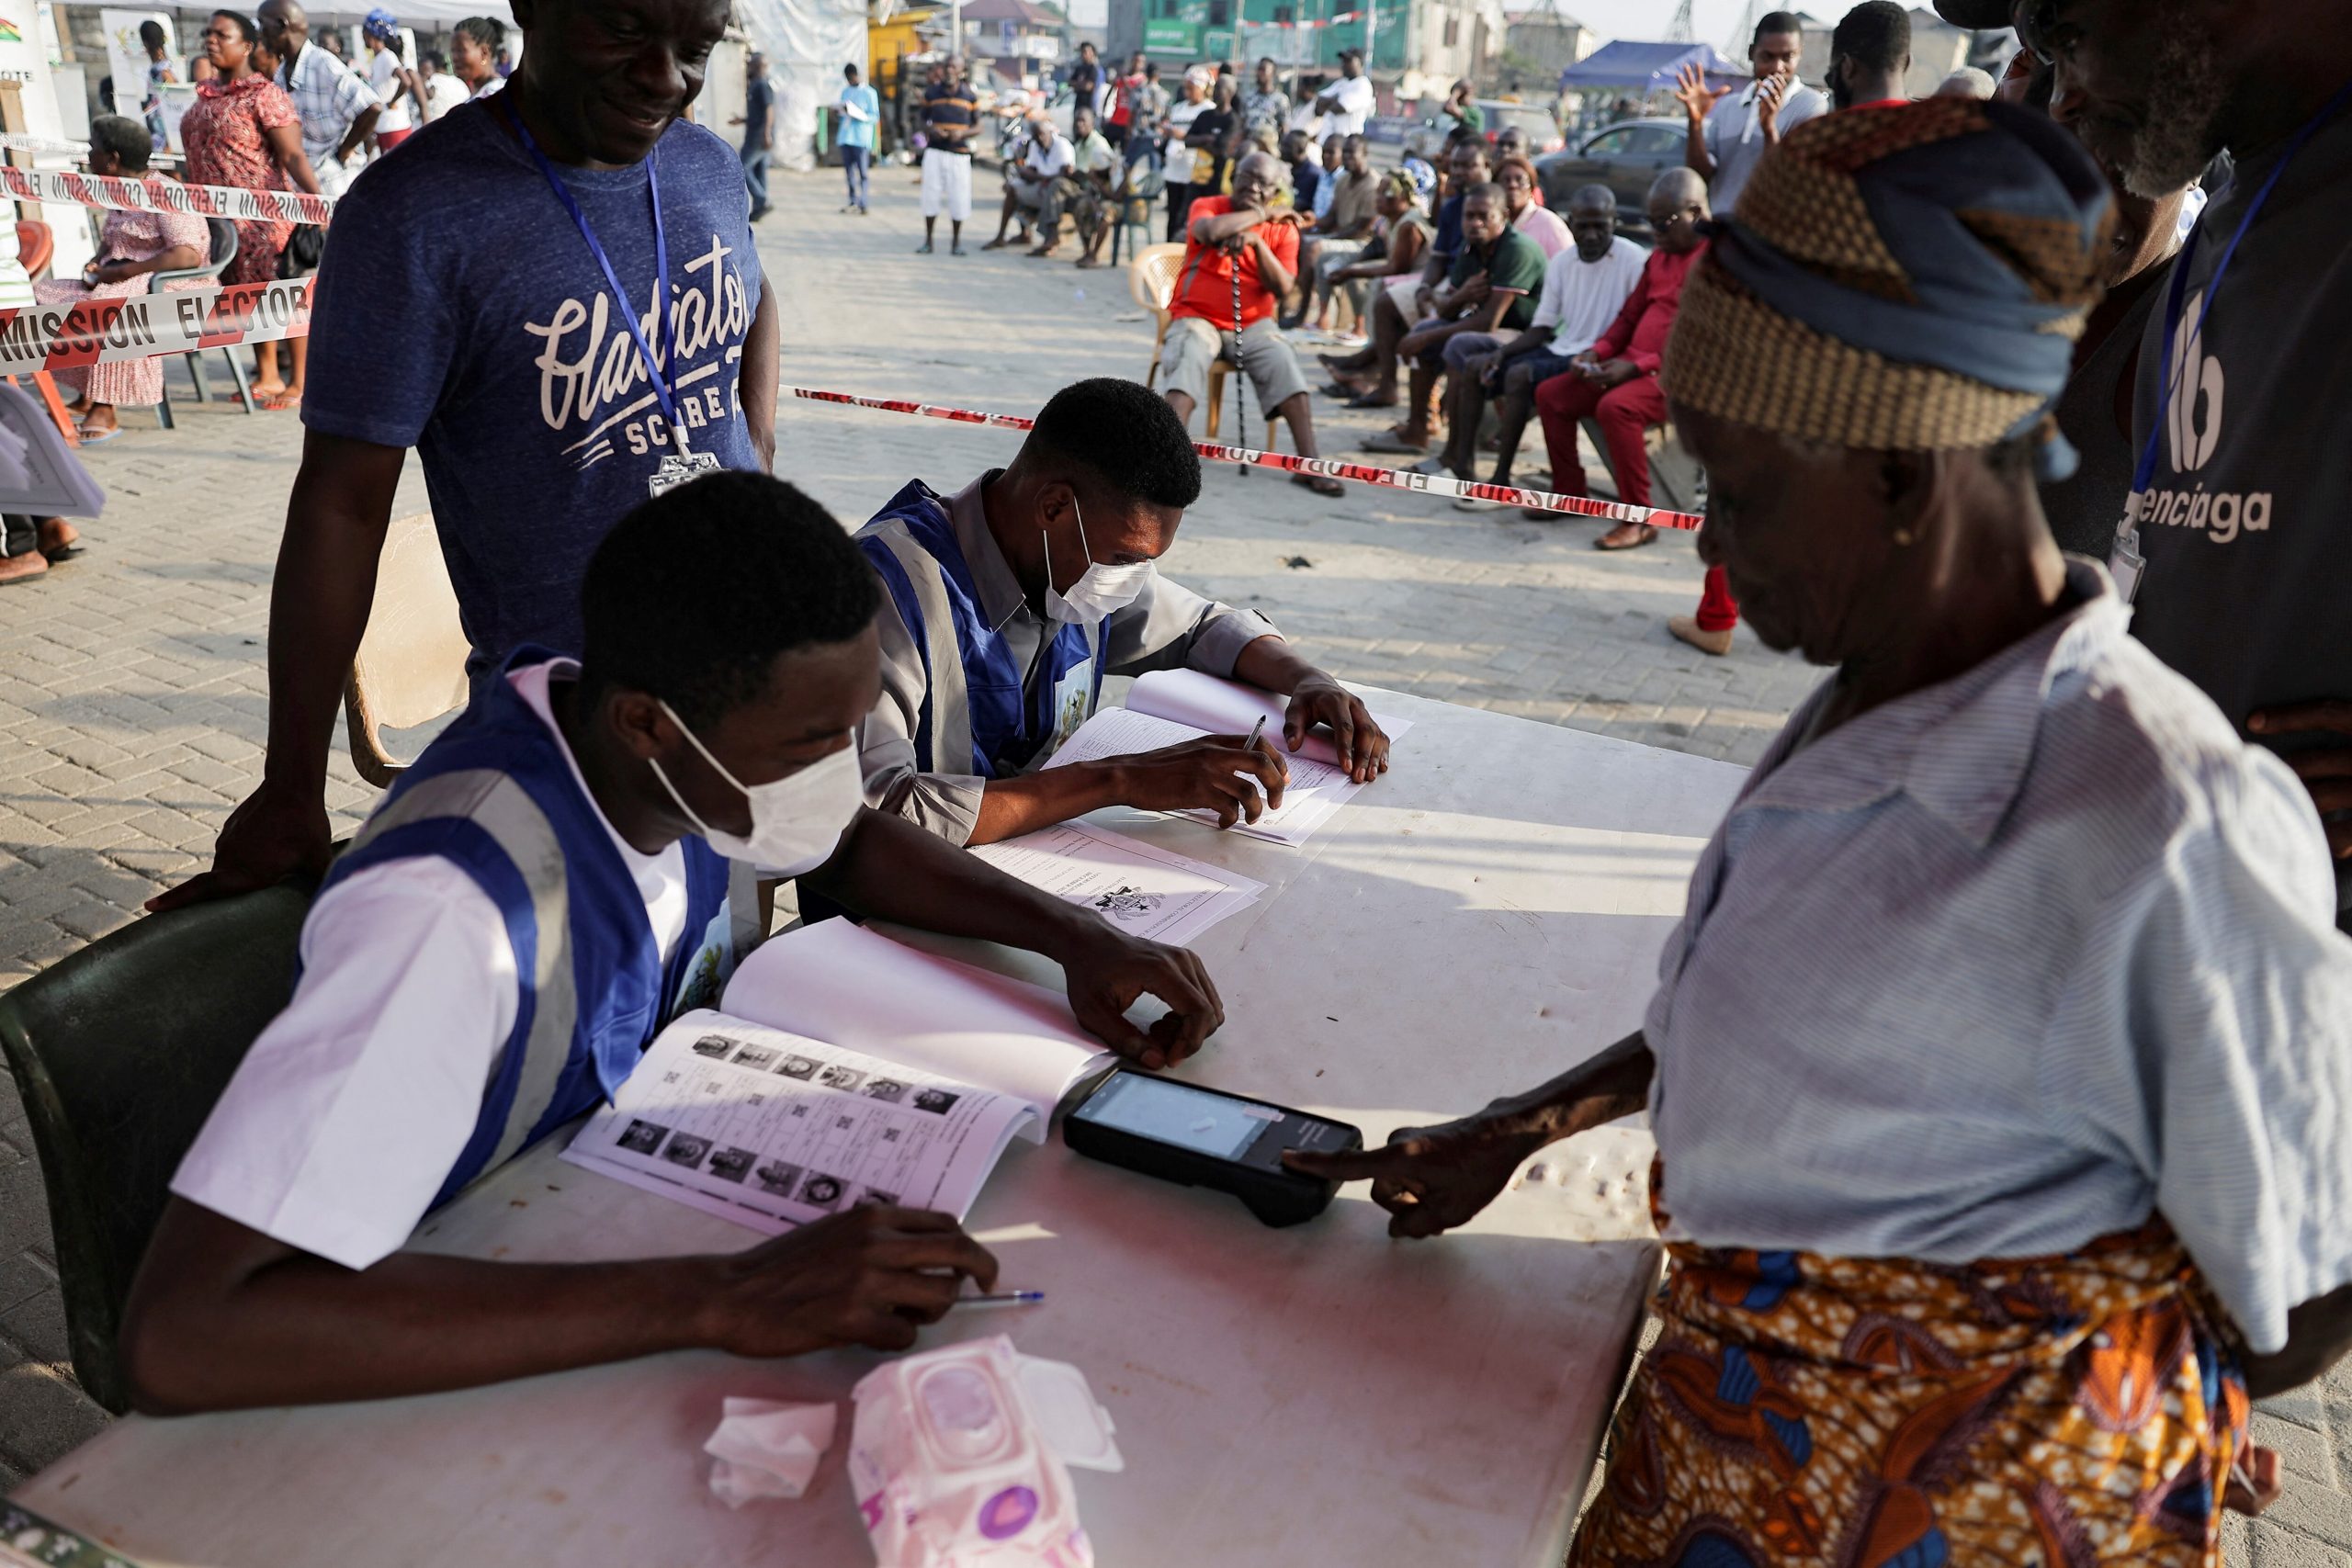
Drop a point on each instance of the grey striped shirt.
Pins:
(2003, 966)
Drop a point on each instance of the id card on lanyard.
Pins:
(682, 465)
(2128, 565)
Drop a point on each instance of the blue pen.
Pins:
(1002, 1299)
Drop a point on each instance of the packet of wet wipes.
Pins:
(959, 1457)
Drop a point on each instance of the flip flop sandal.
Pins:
(1396, 446)
(96, 437)
(1321, 484)
(1644, 535)
(1371, 401)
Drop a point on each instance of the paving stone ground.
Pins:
(135, 707)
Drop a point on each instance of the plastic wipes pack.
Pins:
(959, 1458)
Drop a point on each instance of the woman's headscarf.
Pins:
(1909, 277)
(1423, 175)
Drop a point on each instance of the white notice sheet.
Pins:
(1141, 888)
(1316, 790)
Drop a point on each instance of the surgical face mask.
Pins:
(1101, 591)
(797, 821)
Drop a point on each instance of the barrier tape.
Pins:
(143, 326)
(166, 196)
(13, 142)
(1361, 473)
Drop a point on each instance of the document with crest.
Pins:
(1141, 888)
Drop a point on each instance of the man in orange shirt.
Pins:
(1241, 259)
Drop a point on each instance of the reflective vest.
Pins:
(976, 716)
(494, 796)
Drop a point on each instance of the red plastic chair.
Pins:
(35, 245)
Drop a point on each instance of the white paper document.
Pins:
(1141, 888)
(772, 1130)
(1316, 790)
(846, 1068)
(1168, 707)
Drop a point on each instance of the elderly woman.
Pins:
(132, 247)
(1998, 1066)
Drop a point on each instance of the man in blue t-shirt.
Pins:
(861, 112)
(462, 312)
(758, 131)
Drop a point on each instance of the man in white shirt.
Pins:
(1046, 158)
(1730, 128)
(1347, 103)
(1082, 191)
(338, 106)
(538, 894)
(395, 84)
(1584, 287)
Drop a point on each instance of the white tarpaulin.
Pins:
(806, 43)
(24, 60)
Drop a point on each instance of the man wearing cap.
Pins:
(2242, 459)
(1347, 103)
(1730, 130)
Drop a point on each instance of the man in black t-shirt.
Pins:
(948, 117)
(2240, 524)
(1086, 79)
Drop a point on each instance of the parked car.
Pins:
(1627, 157)
(1535, 119)
(1425, 136)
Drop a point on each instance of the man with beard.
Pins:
(2235, 550)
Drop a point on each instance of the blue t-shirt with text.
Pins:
(459, 311)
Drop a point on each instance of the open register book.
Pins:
(845, 1068)
(1170, 707)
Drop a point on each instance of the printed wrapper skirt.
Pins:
(1889, 1413)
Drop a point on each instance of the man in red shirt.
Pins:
(1242, 235)
(1615, 380)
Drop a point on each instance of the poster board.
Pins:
(126, 59)
(24, 60)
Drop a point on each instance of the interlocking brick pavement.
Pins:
(135, 715)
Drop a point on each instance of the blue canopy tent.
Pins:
(1648, 67)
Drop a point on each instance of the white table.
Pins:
(1485, 917)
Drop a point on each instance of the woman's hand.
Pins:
(1432, 1178)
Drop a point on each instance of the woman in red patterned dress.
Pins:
(243, 131)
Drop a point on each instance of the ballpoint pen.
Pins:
(1001, 1299)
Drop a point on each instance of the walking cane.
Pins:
(1240, 358)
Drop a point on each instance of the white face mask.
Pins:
(797, 821)
(1100, 591)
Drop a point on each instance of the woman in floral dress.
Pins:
(131, 246)
(244, 130)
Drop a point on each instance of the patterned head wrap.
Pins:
(1909, 277)
(381, 24)
(1423, 175)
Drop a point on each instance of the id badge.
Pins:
(678, 468)
(1073, 700)
(2126, 564)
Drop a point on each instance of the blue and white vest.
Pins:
(975, 717)
(494, 796)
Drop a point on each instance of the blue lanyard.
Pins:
(2178, 292)
(663, 316)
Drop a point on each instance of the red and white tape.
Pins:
(141, 326)
(166, 196)
(1359, 473)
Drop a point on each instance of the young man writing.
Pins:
(538, 894)
(1016, 595)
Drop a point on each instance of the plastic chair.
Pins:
(120, 1052)
(223, 251)
(411, 667)
(1132, 209)
(36, 245)
(1152, 279)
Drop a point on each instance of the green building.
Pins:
(1180, 32)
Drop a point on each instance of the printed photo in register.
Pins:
(822, 1192)
(731, 1164)
(759, 1058)
(938, 1102)
(643, 1137)
(715, 1046)
(686, 1149)
(1130, 903)
(778, 1179)
(889, 1090)
(794, 1067)
(843, 1079)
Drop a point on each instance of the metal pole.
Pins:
(1370, 24)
